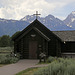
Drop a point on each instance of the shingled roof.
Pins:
(65, 35)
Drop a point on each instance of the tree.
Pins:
(15, 34)
(5, 41)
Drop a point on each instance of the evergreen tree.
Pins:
(5, 41)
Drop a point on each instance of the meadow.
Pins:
(6, 49)
(57, 66)
(6, 57)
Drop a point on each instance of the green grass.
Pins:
(3, 54)
(43, 63)
(6, 49)
(29, 71)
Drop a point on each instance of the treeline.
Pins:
(6, 40)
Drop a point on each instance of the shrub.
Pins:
(51, 59)
(7, 59)
(18, 55)
(60, 59)
(62, 67)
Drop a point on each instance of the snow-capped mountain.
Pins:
(28, 18)
(9, 27)
(70, 20)
(49, 21)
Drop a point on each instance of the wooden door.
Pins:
(33, 49)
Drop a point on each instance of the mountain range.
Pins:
(9, 27)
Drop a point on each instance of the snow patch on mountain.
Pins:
(73, 19)
(73, 13)
(49, 21)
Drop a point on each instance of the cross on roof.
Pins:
(37, 14)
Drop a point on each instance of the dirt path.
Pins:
(12, 69)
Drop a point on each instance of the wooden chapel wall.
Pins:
(23, 44)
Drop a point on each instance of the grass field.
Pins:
(6, 49)
(29, 71)
(6, 57)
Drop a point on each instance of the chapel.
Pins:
(36, 38)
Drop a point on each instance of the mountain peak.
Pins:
(28, 18)
(51, 22)
(8, 27)
(70, 20)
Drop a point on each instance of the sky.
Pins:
(17, 9)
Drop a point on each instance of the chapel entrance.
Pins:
(33, 50)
